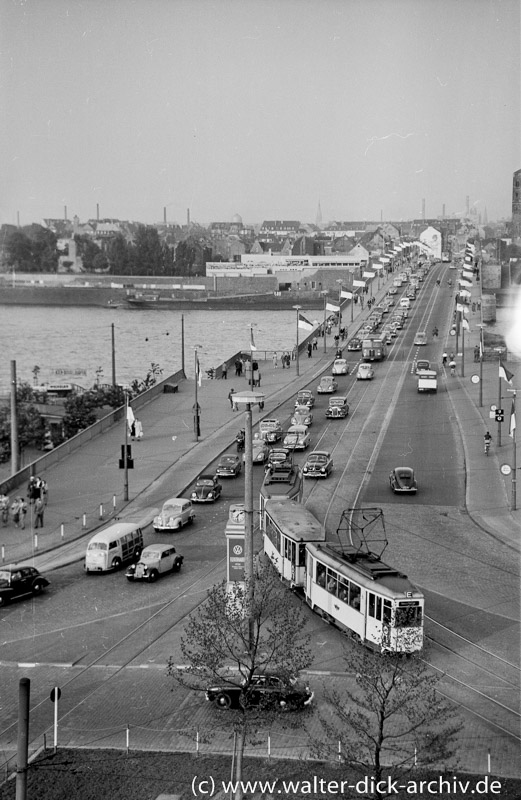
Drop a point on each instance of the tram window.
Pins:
(302, 555)
(273, 535)
(343, 590)
(321, 575)
(378, 608)
(372, 604)
(332, 582)
(408, 616)
(354, 596)
(387, 612)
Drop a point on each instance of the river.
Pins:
(72, 345)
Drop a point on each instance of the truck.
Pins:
(427, 381)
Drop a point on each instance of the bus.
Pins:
(374, 348)
(111, 547)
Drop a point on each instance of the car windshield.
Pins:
(404, 476)
(228, 460)
(149, 555)
(97, 546)
(171, 508)
(337, 401)
(317, 458)
(205, 482)
(292, 437)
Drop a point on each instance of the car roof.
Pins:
(404, 470)
(319, 453)
(176, 501)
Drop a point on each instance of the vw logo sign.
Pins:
(237, 550)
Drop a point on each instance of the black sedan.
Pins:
(206, 490)
(19, 581)
(402, 481)
(229, 466)
(318, 465)
(266, 691)
(354, 345)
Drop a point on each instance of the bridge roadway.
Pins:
(168, 452)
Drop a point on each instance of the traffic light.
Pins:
(500, 415)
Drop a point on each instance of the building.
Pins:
(516, 207)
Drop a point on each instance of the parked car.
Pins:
(340, 367)
(402, 481)
(19, 581)
(302, 416)
(305, 398)
(259, 451)
(229, 466)
(207, 489)
(270, 430)
(365, 372)
(297, 438)
(318, 464)
(420, 338)
(338, 408)
(155, 560)
(176, 512)
(355, 344)
(327, 385)
(269, 691)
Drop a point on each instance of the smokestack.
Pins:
(65, 213)
(188, 217)
(164, 214)
(468, 206)
(97, 212)
(423, 208)
(18, 219)
(443, 211)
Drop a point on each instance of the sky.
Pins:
(261, 108)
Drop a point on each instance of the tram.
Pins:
(350, 588)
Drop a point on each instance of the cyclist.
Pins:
(444, 359)
(487, 439)
(452, 366)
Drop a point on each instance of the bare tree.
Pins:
(217, 647)
(393, 716)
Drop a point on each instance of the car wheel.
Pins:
(37, 587)
(177, 566)
(116, 564)
(223, 700)
(156, 530)
(3, 600)
(154, 575)
(190, 520)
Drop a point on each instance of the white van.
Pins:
(111, 547)
(405, 302)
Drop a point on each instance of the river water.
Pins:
(71, 344)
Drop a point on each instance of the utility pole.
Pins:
(113, 355)
(15, 449)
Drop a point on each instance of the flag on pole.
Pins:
(464, 293)
(358, 283)
(347, 295)
(465, 324)
(512, 419)
(304, 323)
(130, 416)
(504, 373)
(331, 307)
(467, 274)
(463, 309)
(465, 283)
(252, 342)
(198, 374)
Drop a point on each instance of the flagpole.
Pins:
(463, 345)
(499, 406)
(514, 456)
(481, 366)
(297, 308)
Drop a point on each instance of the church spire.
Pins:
(318, 220)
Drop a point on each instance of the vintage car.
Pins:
(327, 385)
(422, 365)
(229, 466)
(393, 290)
(176, 512)
(365, 372)
(402, 481)
(259, 451)
(318, 464)
(338, 408)
(270, 430)
(207, 489)
(420, 338)
(297, 438)
(302, 416)
(305, 398)
(340, 367)
(19, 581)
(266, 690)
(355, 344)
(278, 456)
(155, 560)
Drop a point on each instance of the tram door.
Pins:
(289, 557)
(378, 620)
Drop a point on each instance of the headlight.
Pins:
(210, 494)
(194, 495)
(322, 469)
(305, 469)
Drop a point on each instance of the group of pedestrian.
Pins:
(136, 430)
(37, 495)
(285, 360)
(477, 353)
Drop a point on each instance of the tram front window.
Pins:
(408, 616)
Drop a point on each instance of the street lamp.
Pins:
(297, 308)
(197, 407)
(480, 365)
(340, 282)
(324, 294)
(248, 399)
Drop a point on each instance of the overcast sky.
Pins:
(258, 107)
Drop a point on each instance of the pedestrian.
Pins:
(444, 359)
(255, 373)
(138, 429)
(473, 307)
(230, 398)
(310, 349)
(476, 353)
(275, 360)
(315, 343)
(479, 305)
(224, 372)
(238, 366)
(133, 430)
(337, 340)
(4, 508)
(39, 508)
(452, 366)
(451, 357)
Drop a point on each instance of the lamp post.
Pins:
(340, 282)
(297, 308)
(197, 408)
(324, 294)
(480, 365)
(125, 451)
(248, 399)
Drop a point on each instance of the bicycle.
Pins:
(487, 441)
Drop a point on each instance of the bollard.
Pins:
(36, 541)
(114, 502)
(100, 511)
(339, 750)
(3, 553)
(489, 766)
(84, 521)
(62, 530)
(269, 746)
(128, 739)
(197, 742)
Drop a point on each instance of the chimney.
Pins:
(97, 212)
(164, 214)
(443, 211)
(65, 213)
(188, 217)
(468, 206)
(423, 208)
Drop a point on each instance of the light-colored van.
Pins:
(110, 548)
(405, 302)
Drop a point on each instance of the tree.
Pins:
(31, 425)
(118, 256)
(79, 413)
(147, 251)
(154, 373)
(88, 250)
(256, 628)
(393, 715)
